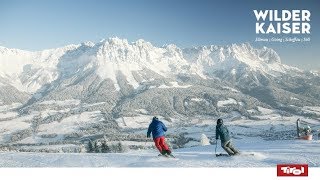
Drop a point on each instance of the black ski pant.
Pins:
(229, 148)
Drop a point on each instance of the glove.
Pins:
(148, 135)
(212, 141)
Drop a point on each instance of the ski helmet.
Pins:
(220, 121)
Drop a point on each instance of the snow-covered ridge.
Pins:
(236, 58)
(29, 71)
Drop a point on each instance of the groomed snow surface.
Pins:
(267, 154)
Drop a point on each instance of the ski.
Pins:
(172, 156)
(221, 154)
(227, 155)
(167, 155)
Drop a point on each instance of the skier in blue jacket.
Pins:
(223, 133)
(157, 128)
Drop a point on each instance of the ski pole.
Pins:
(215, 151)
(145, 144)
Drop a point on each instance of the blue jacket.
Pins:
(223, 133)
(157, 128)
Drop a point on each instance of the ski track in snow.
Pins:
(267, 154)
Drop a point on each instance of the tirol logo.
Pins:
(292, 170)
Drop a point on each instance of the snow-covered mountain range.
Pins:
(29, 71)
(130, 66)
(111, 85)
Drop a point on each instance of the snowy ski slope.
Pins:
(267, 154)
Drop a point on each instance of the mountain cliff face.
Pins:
(30, 71)
(121, 79)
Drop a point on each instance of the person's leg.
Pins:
(225, 146)
(157, 142)
(233, 149)
(164, 146)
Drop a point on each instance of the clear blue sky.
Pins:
(43, 24)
